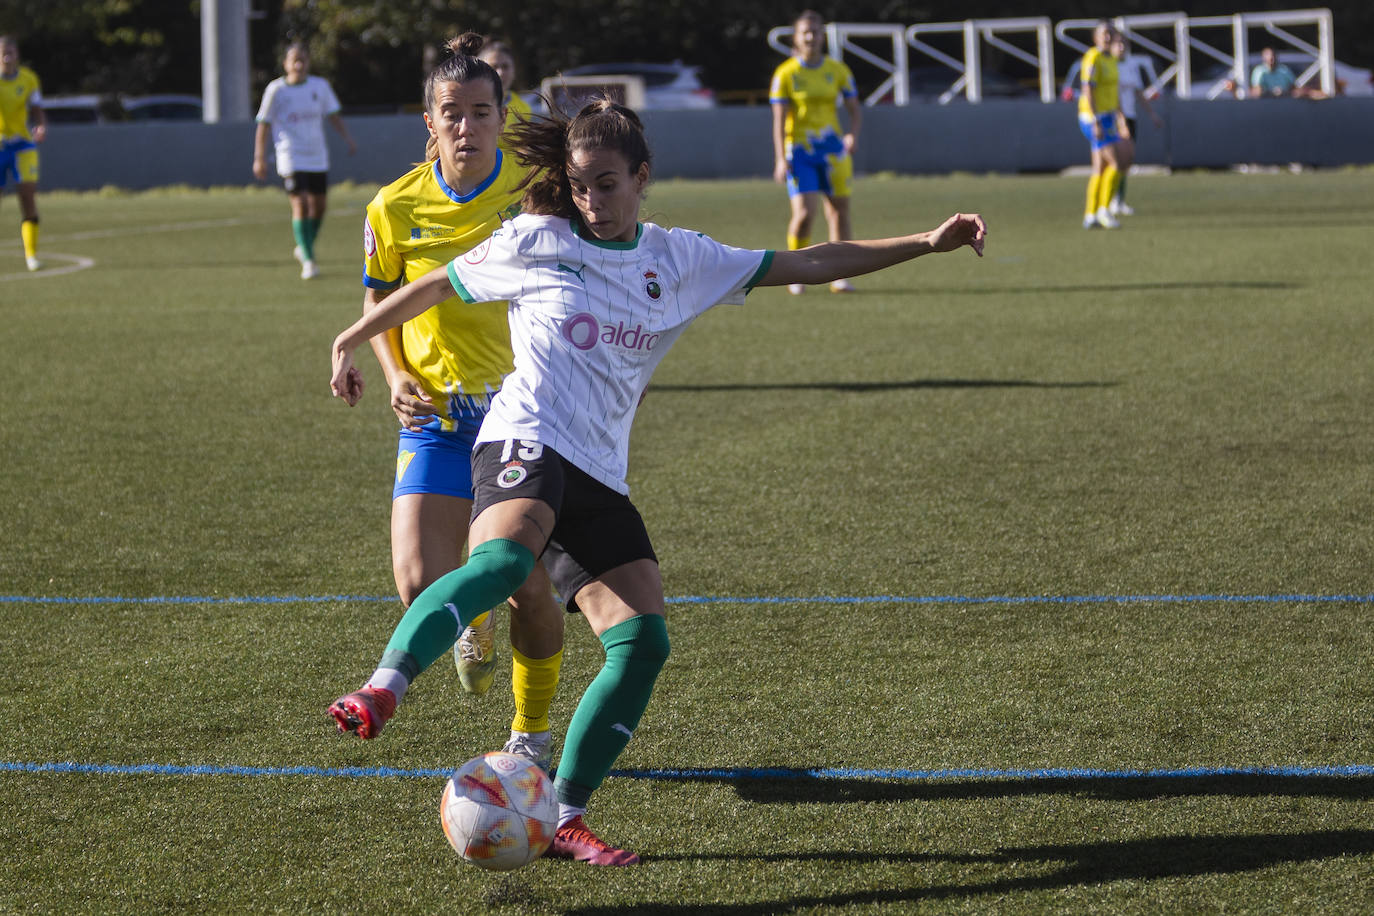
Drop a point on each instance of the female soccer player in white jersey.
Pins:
(596, 300)
(293, 111)
(21, 101)
(442, 368)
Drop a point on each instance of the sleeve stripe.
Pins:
(373, 283)
(764, 264)
(458, 286)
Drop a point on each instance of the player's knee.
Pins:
(507, 564)
(650, 646)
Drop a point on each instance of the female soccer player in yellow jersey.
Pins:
(444, 366)
(502, 60)
(1099, 120)
(21, 100)
(810, 152)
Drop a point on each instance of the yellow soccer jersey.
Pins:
(16, 94)
(1099, 71)
(517, 109)
(812, 96)
(417, 224)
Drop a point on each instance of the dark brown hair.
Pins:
(544, 144)
(462, 66)
(806, 14)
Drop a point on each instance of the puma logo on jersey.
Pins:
(576, 273)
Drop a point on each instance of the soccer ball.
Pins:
(499, 811)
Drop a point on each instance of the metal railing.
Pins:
(1171, 37)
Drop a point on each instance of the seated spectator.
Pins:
(1271, 78)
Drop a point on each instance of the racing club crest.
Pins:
(511, 475)
(651, 285)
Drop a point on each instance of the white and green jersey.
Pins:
(296, 114)
(590, 321)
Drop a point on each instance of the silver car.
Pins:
(675, 85)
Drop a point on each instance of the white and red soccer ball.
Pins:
(499, 811)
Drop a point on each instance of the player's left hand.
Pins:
(347, 380)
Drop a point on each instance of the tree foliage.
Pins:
(377, 51)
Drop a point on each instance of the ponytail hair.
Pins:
(461, 66)
(544, 144)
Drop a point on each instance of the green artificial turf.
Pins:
(1002, 585)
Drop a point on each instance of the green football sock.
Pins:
(494, 570)
(312, 227)
(609, 711)
(303, 239)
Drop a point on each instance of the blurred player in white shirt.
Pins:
(292, 114)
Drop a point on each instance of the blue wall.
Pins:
(996, 136)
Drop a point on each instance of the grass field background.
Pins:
(1036, 583)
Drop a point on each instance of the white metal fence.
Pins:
(1222, 44)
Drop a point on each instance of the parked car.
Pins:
(933, 83)
(675, 85)
(80, 109)
(105, 109)
(163, 108)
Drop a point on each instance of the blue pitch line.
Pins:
(726, 599)
(722, 774)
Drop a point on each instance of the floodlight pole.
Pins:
(224, 74)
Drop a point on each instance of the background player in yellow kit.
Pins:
(21, 100)
(443, 367)
(1098, 118)
(502, 60)
(811, 151)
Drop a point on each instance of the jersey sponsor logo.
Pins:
(511, 475)
(581, 330)
(478, 254)
(584, 331)
(369, 240)
(431, 232)
(651, 285)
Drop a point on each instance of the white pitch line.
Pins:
(77, 262)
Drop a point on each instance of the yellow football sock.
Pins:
(533, 681)
(1094, 181)
(1107, 189)
(28, 230)
(797, 241)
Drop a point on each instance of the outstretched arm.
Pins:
(395, 310)
(833, 260)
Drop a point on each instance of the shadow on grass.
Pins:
(818, 790)
(1080, 864)
(910, 385)
(1157, 286)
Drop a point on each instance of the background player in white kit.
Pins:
(293, 111)
(596, 300)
